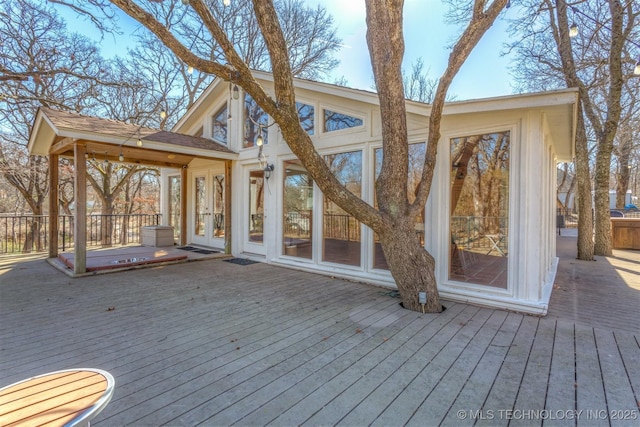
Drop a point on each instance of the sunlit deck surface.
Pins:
(218, 343)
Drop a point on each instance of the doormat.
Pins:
(197, 250)
(241, 261)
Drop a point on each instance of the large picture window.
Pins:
(479, 202)
(341, 231)
(298, 211)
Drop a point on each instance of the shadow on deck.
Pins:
(219, 343)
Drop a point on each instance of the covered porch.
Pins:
(58, 134)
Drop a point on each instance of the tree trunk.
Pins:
(583, 192)
(412, 268)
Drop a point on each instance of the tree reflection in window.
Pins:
(305, 113)
(254, 117)
(479, 208)
(219, 131)
(335, 121)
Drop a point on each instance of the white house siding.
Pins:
(532, 230)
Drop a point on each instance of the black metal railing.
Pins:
(480, 233)
(30, 233)
(566, 218)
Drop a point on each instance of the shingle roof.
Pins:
(68, 120)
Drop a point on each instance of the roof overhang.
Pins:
(57, 132)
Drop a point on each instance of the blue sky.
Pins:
(427, 36)
(485, 74)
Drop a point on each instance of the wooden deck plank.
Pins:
(622, 407)
(301, 358)
(403, 347)
(427, 378)
(262, 372)
(533, 389)
(589, 386)
(232, 357)
(469, 402)
(503, 393)
(251, 395)
(271, 411)
(561, 388)
(439, 398)
(629, 347)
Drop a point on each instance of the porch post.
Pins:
(54, 168)
(80, 222)
(227, 206)
(183, 206)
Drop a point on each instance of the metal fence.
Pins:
(480, 234)
(30, 233)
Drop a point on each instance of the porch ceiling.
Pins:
(57, 132)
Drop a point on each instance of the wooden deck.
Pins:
(216, 343)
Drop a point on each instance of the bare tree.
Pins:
(43, 65)
(598, 63)
(410, 264)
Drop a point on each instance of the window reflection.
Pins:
(297, 210)
(256, 206)
(306, 115)
(254, 117)
(174, 204)
(341, 231)
(335, 121)
(218, 205)
(479, 203)
(219, 131)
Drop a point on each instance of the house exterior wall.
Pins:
(531, 240)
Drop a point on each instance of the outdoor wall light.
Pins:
(139, 143)
(236, 92)
(573, 30)
(267, 171)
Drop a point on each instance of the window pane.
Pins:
(219, 130)
(479, 203)
(298, 211)
(218, 206)
(341, 230)
(254, 117)
(416, 163)
(174, 204)
(200, 205)
(335, 121)
(256, 206)
(306, 115)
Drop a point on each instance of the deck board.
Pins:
(216, 343)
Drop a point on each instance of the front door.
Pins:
(255, 217)
(208, 208)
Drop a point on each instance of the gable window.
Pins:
(219, 125)
(255, 122)
(336, 121)
(306, 115)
